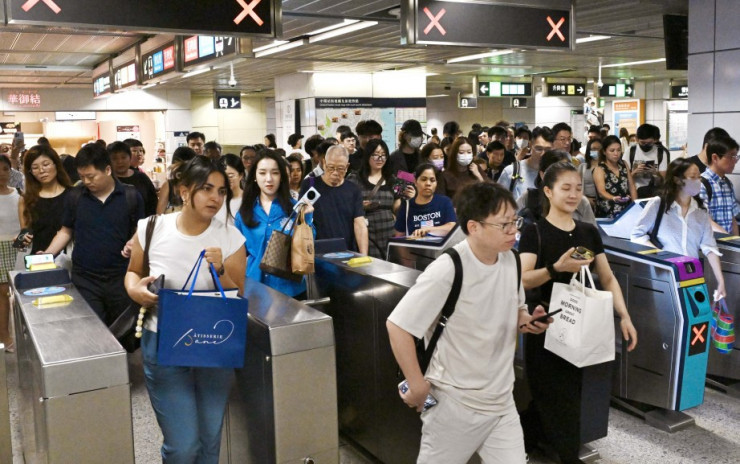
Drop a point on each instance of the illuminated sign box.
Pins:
(124, 76)
(566, 89)
(24, 98)
(101, 85)
(197, 50)
(505, 89)
(158, 62)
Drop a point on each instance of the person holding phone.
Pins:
(9, 227)
(461, 170)
(547, 248)
(428, 212)
(614, 185)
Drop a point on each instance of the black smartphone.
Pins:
(20, 240)
(650, 163)
(582, 253)
(156, 284)
(542, 318)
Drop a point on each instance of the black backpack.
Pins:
(514, 175)
(661, 150)
(708, 187)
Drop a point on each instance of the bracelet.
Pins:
(551, 270)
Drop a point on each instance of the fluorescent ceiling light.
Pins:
(439, 95)
(341, 31)
(632, 63)
(281, 48)
(479, 56)
(346, 22)
(195, 73)
(274, 43)
(592, 38)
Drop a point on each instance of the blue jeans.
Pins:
(189, 403)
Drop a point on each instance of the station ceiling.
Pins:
(64, 58)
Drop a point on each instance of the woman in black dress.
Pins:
(557, 387)
(42, 206)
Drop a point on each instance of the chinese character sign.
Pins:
(24, 98)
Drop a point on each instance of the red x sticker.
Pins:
(248, 10)
(50, 3)
(556, 29)
(434, 21)
(698, 334)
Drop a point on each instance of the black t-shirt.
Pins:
(695, 159)
(401, 161)
(355, 160)
(336, 210)
(46, 220)
(553, 242)
(144, 186)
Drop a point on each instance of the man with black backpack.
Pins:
(648, 161)
(101, 216)
(470, 357)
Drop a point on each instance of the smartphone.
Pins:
(310, 197)
(20, 240)
(545, 317)
(650, 163)
(582, 253)
(430, 402)
(45, 258)
(18, 138)
(155, 285)
(403, 179)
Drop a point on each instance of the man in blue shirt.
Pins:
(101, 215)
(716, 190)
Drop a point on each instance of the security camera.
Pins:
(232, 82)
(600, 83)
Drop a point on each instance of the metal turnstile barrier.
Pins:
(723, 371)
(419, 253)
(669, 306)
(73, 378)
(283, 408)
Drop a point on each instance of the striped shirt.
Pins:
(723, 208)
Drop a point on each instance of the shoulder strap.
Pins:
(447, 309)
(708, 187)
(514, 175)
(658, 219)
(633, 150)
(131, 204)
(518, 269)
(148, 242)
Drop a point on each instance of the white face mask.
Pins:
(691, 187)
(439, 164)
(633, 144)
(415, 142)
(522, 143)
(593, 154)
(464, 159)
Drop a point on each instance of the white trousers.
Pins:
(452, 433)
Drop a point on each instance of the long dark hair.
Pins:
(674, 181)
(552, 174)
(386, 171)
(252, 190)
(194, 174)
(610, 140)
(33, 186)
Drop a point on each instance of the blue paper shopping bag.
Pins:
(201, 328)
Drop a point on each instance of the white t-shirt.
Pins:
(642, 180)
(528, 176)
(474, 359)
(9, 225)
(234, 206)
(174, 254)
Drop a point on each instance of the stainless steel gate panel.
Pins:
(727, 365)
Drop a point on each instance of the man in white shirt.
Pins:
(471, 372)
(649, 158)
(527, 170)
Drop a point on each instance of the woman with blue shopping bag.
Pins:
(189, 402)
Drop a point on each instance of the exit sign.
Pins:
(617, 90)
(505, 89)
(566, 89)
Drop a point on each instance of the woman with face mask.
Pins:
(433, 154)
(614, 185)
(686, 226)
(461, 170)
(410, 139)
(586, 169)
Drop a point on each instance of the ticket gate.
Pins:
(670, 307)
(723, 371)
(419, 253)
(73, 376)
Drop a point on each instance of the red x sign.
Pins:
(50, 3)
(698, 334)
(555, 29)
(248, 10)
(434, 21)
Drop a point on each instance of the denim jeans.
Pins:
(189, 403)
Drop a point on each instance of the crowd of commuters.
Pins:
(89, 211)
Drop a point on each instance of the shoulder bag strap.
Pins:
(656, 226)
(376, 188)
(514, 175)
(708, 187)
(633, 150)
(518, 269)
(148, 241)
(447, 309)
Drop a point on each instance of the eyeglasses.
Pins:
(337, 169)
(507, 227)
(379, 157)
(733, 157)
(41, 167)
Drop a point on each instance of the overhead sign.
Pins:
(679, 91)
(227, 100)
(566, 89)
(101, 85)
(467, 102)
(519, 102)
(124, 76)
(23, 98)
(617, 90)
(198, 49)
(226, 17)
(158, 62)
(468, 22)
(505, 89)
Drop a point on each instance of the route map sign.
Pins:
(541, 25)
(232, 17)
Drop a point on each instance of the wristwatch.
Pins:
(551, 270)
(221, 270)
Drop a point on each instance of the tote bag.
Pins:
(583, 333)
(201, 328)
(723, 328)
(302, 251)
(276, 259)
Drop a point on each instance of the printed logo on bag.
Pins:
(222, 331)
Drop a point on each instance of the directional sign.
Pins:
(468, 22)
(221, 17)
(227, 100)
(566, 89)
(679, 91)
(505, 89)
(518, 102)
(467, 102)
(198, 49)
(124, 76)
(617, 91)
(158, 62)
(101, 85)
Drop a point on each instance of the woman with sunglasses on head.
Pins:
(380, 202)
(428, 212)
(686, 227)
(547, 249)
(42, 206)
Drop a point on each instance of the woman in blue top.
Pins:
(266, 206)
(427, 213)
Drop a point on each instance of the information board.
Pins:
(101, 85)
(158, 62)
(199, 49)
(124, 76)
(617, 90)
(566, 89)
(505, 89)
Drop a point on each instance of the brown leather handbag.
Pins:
(276, 260)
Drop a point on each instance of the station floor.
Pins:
(715, 439)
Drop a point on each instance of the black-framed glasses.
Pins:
(507, 227)
(379, 157)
